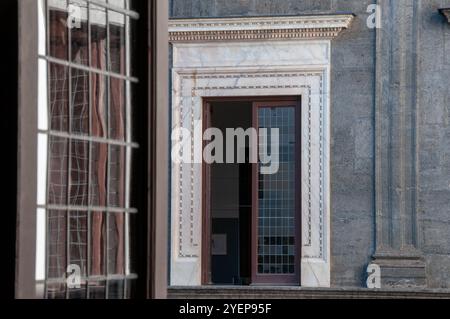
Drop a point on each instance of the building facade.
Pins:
(372, 81)
(339, 184)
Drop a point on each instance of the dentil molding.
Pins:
(259, 28)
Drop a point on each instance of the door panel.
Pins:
(206, 222)
(276, 240)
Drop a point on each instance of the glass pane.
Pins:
(79, 173)
(56, 243)
(56, 291)
(97, 290)
(276, 199)
(133, 4)
(116, 262)
(133, 243)
(78, 293)
(98, 37)
(134, 131)
(99, 105)
(117, 3)
(58, 29)
(59, 97)
(115, 289)
(78, 230)
(116, 176)
(58, 171)
(79, 32)
(131, 289)
(80, 102)
(97, 180)
(117, 110)
(116, 42)
(98, 243)
(133, 44)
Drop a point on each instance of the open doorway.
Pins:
(252, 220)
(231, 200)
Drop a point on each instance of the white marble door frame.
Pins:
(265, 67)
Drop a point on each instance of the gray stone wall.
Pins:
(353, 100)
(434, 141)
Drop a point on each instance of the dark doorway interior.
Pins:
(231, 203)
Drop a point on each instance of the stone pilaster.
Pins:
(397, 225)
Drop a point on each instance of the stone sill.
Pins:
(255, 292)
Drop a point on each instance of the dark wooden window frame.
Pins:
(154, 154)
(206, 190)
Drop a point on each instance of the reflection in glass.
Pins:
(98, 243)
(80, 102)
(116, 42)
(87, 166)
(99, 105)
(79, 33)
(56, 290)
(98, 37)
(78, 293)
(133, 43)
(78, 231)
(79, 173)
(115, 289)
(59, 97)
(116, 176)
(133, 4)
(97, 290)
(56, 243)
(58, 29)
(131, 289)
(116, 244)
(117, 110)
(97, 180)
(117, 3)
(133, 244)
(58, 171)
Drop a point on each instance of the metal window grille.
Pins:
(90, 147)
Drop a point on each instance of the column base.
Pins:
(401, 269)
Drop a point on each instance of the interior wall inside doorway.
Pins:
(231, 203)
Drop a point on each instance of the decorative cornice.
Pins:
(260, 28)
(446, 13)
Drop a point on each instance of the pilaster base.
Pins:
(401, 269)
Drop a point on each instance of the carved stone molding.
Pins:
(446, 13)
(253, 68)
(260, 28)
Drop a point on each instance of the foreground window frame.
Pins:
(85, 145)
(28, 225)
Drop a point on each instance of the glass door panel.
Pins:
(276, 247)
